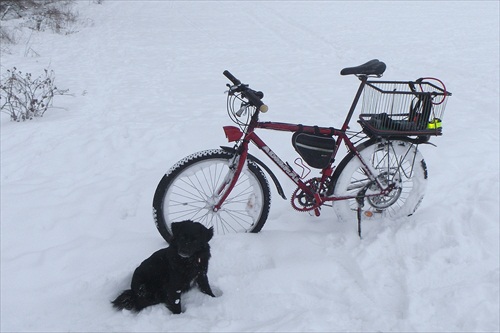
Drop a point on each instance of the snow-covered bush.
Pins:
(24, 97)
(40, 15)
(57, 17)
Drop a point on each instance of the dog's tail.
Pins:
(126, 300)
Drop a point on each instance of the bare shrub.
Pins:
(16, 8)
(42, 15)
(24, 97)
(56, 16)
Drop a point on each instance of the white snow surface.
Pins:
(147, 85)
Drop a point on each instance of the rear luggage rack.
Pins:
(403, 108)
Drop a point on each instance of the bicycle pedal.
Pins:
(317, 212)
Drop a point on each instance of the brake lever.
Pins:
(243, 108)
(231, 90)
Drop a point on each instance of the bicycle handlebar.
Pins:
(254, 97)
(231, 78)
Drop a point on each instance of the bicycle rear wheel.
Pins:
(188, 192)
(397, 163)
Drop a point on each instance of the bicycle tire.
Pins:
(186, 192)
(398, 162)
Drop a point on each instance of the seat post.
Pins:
(363, 79)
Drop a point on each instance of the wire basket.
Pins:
(403, 108)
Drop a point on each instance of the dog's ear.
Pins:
(209, 233)
(175, 228)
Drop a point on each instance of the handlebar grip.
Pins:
(255, 100)
(231, 78)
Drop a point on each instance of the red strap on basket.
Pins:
(440, 82)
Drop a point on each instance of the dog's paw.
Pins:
(175, 308)
(174, 304)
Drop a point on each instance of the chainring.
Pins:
(304, 202)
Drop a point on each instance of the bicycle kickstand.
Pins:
(360, 198)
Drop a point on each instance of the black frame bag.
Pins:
(316, 150)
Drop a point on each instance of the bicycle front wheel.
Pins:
(398, 164)
(189, 192)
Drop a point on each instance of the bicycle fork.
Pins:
(230, 179)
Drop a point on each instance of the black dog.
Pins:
(168, 272)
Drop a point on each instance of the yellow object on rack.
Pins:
(435, 123)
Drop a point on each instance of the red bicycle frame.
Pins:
(234, 134)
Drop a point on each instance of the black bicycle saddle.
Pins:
(372, 67)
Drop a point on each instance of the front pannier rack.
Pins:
(403, 108)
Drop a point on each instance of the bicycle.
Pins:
(383, 174)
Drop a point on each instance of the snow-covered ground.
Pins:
(77, 184)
